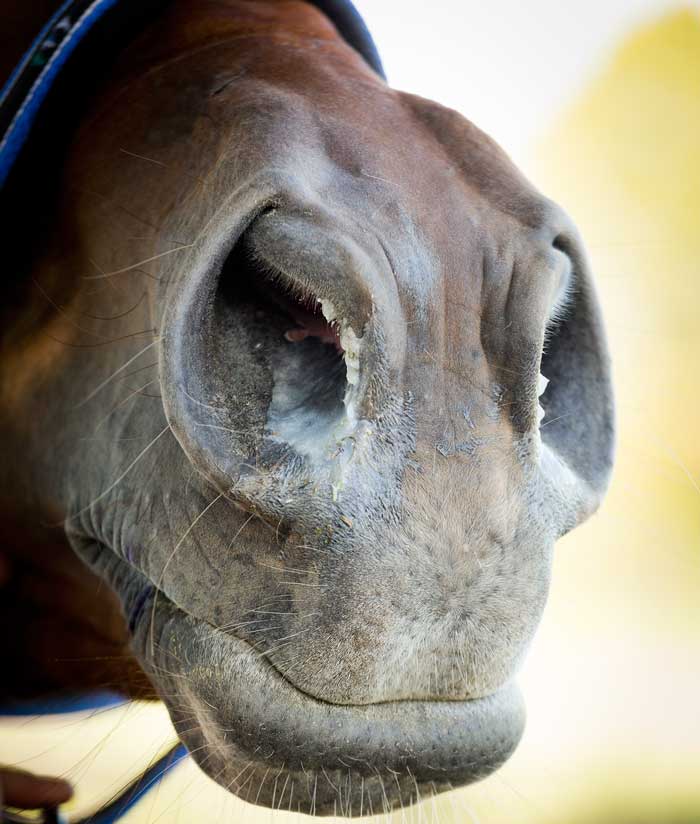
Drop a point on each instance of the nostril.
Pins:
(297, 345)
(564, 266)
(262, 360)
(579, 416)
(561, 243)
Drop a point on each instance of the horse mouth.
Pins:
(272, 744)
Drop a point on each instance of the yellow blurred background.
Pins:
(612, 682)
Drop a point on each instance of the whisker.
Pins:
(170, 558)
(124, 366)
(118, 316)
(137, 265)
(121, 477)
(72, 345)
(122, 402)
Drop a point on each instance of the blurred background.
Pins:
(599, 103)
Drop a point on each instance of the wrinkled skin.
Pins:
(277, 378)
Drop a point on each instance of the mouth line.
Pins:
(143, 603)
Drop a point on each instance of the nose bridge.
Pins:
(464, 493)
(456, 394)
(459, 415)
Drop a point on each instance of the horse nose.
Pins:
(268, 358)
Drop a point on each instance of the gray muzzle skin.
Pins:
(274, 745)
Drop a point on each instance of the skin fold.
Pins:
(326, 551)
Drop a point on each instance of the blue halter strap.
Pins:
(61, 40)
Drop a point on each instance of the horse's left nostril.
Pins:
(561, 243)
(295, 341)
(564, 247)
(578, 428)
(264, 355)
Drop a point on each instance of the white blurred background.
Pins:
(508, 66)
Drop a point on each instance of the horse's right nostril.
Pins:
(264, 356)
(298, 348)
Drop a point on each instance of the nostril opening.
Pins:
(261, 363)
(561, 243)
(285, 330)
(578, 425)
(564, 288)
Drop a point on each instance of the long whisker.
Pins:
(122, 402)
(138, 263)
(114, 374)
(170, 558)
(121, 477)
